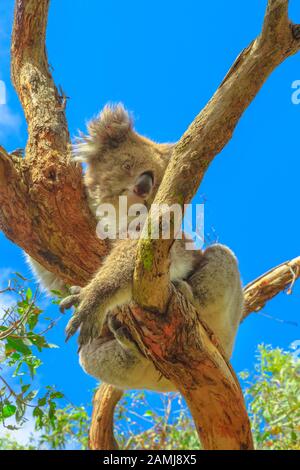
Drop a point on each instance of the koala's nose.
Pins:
(144, 184)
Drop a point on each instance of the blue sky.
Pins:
(164, 60)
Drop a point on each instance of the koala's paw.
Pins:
(90, 327)
(72, 326)
(185, 290)
(86, 315)
(122, 335)
(71, 300)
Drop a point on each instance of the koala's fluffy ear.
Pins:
(108, 130)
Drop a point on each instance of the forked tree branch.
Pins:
(57, 229)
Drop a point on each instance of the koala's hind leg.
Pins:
(119, 362)
(111, 363)
(218, 293)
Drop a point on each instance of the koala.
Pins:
(121, 162)
(212, 284)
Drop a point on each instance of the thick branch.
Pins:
(44, 209)
(101, 435)
(207, 136)
(43, 106)
(42, 219)
(185, 351)
(7, 170)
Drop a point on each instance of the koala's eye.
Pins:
(126, 165)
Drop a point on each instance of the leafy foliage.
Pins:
(70, 430)
(168, 427)
(273, 393)
(20, 341)
(9, 442)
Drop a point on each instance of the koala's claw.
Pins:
(75, 290)
(72, 326)
(90, 327)
(86, 318)
(68, 302)
(113, 323)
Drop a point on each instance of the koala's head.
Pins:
(119, 161)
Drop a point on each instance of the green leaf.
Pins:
(52, 346)
(12, 428)
(17, 344)
(42, 401)
(31, 395)
(54, 395)
(56, 292)
(28, 294)
(37, 412)
(20, 276)
(8, 411)
(25, 388)
(38, 341)
(294, 436)
(32, 321)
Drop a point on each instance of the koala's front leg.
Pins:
(111, 286)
